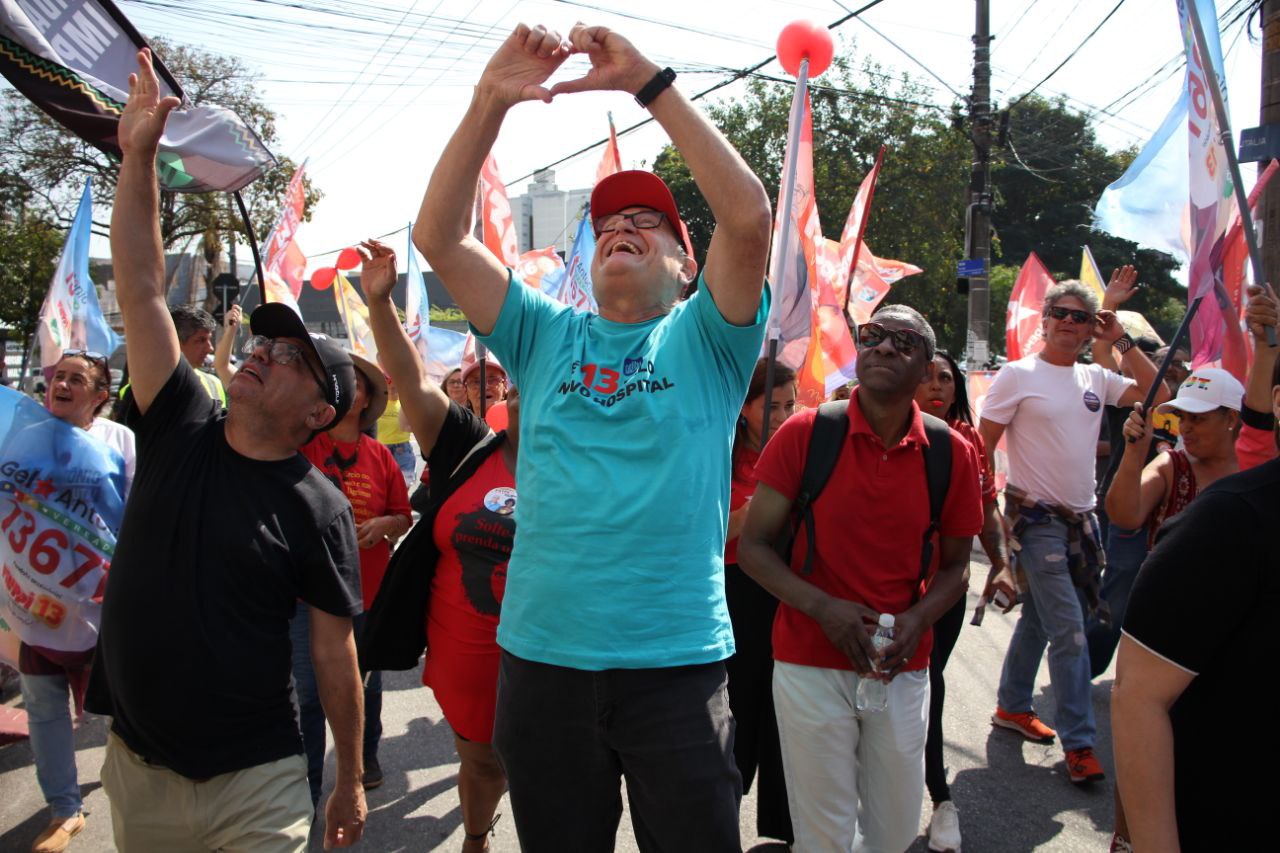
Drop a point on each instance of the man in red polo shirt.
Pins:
(869, 524)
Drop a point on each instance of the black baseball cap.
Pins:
(277, 320)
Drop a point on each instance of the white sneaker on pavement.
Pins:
(944, 828)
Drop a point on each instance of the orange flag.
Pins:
(498, 230)
(611, 161)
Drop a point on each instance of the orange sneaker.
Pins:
(1026, 724)
(1083, 766)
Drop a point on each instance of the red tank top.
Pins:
(1182, 493)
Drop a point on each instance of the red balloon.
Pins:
(805, 40)
(322, 279)
(348, 259)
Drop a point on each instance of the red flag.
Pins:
(611, 161)
(497, 227)
(1023, 335)
(284, 264)
(1237, 344)
(829, 362)
(856, 225)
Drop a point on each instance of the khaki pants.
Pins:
(264, 809)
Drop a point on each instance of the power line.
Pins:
(1072, 54)
(907, 54)
(1014, 26)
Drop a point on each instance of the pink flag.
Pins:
(611, 161)
(281, 253)
(495, 215)
(790, 313)
(1023, 334)
(829, 362)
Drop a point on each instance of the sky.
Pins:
(368, 91)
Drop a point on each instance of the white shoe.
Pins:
(944, 828)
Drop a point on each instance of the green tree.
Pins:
(29, 247)
(1046, 183)
(918, 211)
(52, 164)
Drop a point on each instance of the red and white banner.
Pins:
(284, 266)
(498, 230)
(829, 362)
(537, 264)
(1023, 333)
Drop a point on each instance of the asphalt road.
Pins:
(1013, 795)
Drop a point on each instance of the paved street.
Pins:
(1013, 796)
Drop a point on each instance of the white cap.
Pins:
(1206, 389)
(886, 620)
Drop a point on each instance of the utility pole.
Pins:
(1269, 208)
(978, 212)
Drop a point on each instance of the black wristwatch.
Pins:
(1124, 343)
(655, 87)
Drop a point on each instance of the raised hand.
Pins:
(377, 269)
(522, 64)
(1137, 428)
(145, 114)
(615, 62)
(1107, 327)
(1121, 288)
(231, 322)
(1260, 313)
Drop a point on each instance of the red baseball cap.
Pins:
(636, 188)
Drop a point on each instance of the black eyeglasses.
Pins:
(639, 219)
(284, 354)
(905, 341)
(1077, 316)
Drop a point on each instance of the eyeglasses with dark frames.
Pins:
(640, 219)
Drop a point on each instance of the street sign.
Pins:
(1258, 144)
(971, 268)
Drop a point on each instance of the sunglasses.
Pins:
(905, 341)
(90, 355)
(639, 219)
(284, 354)
(1077, 316)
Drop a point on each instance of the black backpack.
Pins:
(829, 429)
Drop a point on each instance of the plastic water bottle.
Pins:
(873, 695)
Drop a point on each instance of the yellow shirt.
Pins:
(389, 431)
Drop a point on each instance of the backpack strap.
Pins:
(937, 472)
(825, 442)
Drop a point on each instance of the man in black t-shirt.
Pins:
(1198, 639)
(193, 659)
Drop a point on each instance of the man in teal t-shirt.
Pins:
(614, 627)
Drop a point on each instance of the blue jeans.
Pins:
(1052, 614)
(311, 713)
(1126, 549)
(47, 699)
(402, 452)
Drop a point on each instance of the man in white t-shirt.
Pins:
(1049, 408)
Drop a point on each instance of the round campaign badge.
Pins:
(1091, 401)
(501, 500)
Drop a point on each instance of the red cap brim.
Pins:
(637, 188)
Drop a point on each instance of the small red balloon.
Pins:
(805, 40)
(348, 259)
(322, 279)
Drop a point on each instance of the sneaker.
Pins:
(944, 828)
(1026, 724)
(58, 834)
(1083, 766)
(372, 774)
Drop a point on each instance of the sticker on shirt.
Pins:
(1091, 401)
(609, 386)
(501, 500)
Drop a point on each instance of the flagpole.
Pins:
(1224, 127)
(253, 247)
(1165, 363)
(788, 185)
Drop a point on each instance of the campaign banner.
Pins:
(61, 503)
(73, 59)
(355, 314)
(281, 253)
(575, 285)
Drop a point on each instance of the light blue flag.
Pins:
(417, 306)
(573, 287)
(1148, 203)
(444, 351)
(71, 317)
(61, 503)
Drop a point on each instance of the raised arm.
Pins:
(472, 275)
(1120, 289)
(1108, 330)
(222, 352)
(1261, 312)
(736, 259)
(137, 252)
(1136, 490)
(423, 402)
